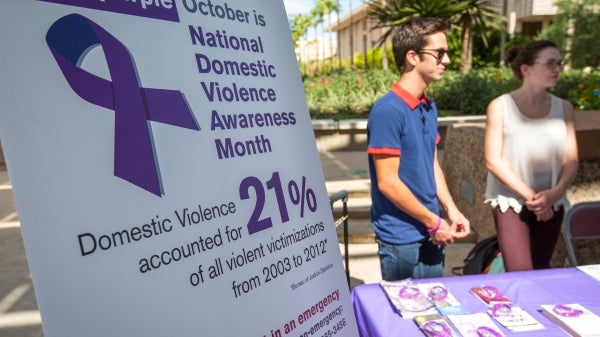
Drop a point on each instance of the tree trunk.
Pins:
(466, 54)
(316, 49)
(351, 36)
(337, 38)
(331, 57)
(323, 45)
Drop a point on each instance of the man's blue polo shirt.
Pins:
(402, 125)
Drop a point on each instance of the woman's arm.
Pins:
(493, 146)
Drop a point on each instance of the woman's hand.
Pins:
(544, 215)
(542, 205)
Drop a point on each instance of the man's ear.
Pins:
(411, 58)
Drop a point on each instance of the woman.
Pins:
(531, 157)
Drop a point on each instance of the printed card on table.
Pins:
(436, 325)
(475, 325)
(442, 298)
(574, 318)
(407, 298)
(514, 318)
(490, 295)
(592, 270)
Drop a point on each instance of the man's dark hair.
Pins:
(413, 34)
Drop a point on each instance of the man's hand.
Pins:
(460, 226)
(443, 236)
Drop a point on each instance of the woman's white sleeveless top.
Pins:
(534, 149)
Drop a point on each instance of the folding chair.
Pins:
(581, 222)
(343, 197)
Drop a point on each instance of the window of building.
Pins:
(531, 28)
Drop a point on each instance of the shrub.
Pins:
(352, 93)
(347, 94)
(470, 93)
(579, 89)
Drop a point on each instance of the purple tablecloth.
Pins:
(377, 318)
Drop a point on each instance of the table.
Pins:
(377, 318)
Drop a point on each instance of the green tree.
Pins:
(317, 14)
(351, 28)
(470, 17)
(390, 13)
(477, 18)
(328, 6)
(575, 30)
(337, 10)
(299, 25)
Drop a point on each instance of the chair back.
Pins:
(582, 222)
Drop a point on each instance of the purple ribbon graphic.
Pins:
(69, 39)
(162, 10)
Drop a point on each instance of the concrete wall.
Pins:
(465, 172)
(347, 135)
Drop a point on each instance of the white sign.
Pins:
(165, 171)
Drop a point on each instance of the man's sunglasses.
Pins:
(439, 53)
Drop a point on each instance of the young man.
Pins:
(407, 182)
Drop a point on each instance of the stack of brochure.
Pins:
(490, 295)
(593, 270)
(479, 324)
(436, 325)
(407, 298)
(515, 319)
(573, 318)
(501, 309)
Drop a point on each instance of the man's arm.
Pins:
(459, 225)
(394, 189)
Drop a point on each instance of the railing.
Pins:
(343, 219)
(351, 134)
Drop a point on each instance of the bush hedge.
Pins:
(351, 93)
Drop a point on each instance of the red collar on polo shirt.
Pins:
(407, 97)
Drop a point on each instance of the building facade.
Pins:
(355, 32)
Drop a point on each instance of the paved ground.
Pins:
(18, 309)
